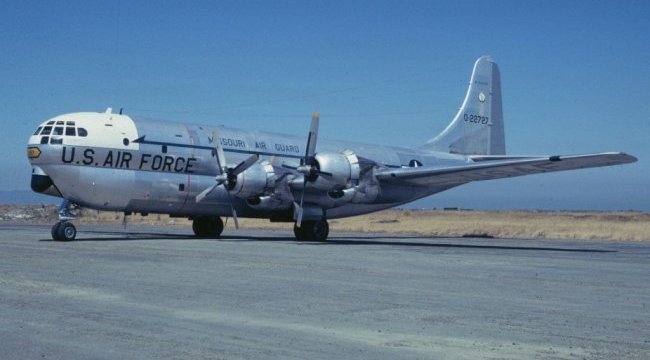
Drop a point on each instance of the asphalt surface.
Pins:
(158, 293)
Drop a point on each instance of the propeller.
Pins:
(227, 177)
(308, 164)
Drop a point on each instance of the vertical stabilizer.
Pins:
(477, 128)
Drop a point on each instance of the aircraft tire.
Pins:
(207, 227)
(66, 231)
(299, 233)
(55, 231)
(313, 230)
(319, 230)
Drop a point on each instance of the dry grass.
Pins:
(633, 226)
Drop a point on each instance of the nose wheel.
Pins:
(64, 231)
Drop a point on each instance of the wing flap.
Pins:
(498, 169)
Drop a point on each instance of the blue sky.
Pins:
(575, 75)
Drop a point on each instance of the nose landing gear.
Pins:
(63, 230)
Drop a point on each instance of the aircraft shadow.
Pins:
(128, 236)
(373, 240)
(335, 240)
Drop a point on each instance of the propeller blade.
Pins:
(232, 211)
(234, 218)
(302, 201)
(218, 152)
(206, 192)
(242, 166)
(313, 135)
(299, 215)
(221, 158)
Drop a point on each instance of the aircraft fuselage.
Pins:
(153, 166)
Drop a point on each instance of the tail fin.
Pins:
(477, 128)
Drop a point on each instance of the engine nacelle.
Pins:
(268, 202)
(342, 168)
(255, 180)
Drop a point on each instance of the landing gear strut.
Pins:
(207, 226)
(63, 230)
(317, 230)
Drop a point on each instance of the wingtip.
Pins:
(630, 158)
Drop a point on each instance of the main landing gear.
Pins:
(63, 230)
(207, 226)
(317, 230)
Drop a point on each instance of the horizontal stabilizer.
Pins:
(497, 169)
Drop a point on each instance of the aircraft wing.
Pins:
(495, 167)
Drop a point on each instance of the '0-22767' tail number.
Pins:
(476, 119)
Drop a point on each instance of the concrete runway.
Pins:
(158, 293)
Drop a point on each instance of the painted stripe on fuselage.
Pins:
(142, 140)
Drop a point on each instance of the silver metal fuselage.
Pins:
(153, 166)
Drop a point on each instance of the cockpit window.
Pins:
(56, 141)
(59, 122)
(82, 132)
(69, 123)
(58, 130)
(47, 130)
(69, 131)
(38, 130)
(50, 122)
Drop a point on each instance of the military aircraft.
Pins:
(109, 161)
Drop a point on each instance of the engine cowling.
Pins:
(255, 180)
(338, 170)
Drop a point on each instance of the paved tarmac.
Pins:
(160, 294)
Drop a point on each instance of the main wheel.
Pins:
(299, 232)
(319, 230)
(65, 231)
(312, 230)
(207, 226)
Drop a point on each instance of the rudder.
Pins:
(477, 128)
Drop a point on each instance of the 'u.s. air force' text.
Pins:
(118, 159)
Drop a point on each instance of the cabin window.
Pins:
(47, 130)
(69, 131)
(38, 130)
(58, 130)
(82, 132)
